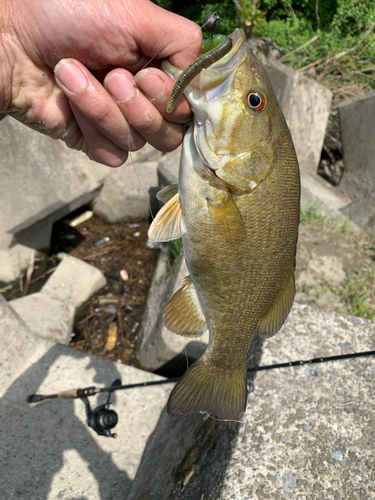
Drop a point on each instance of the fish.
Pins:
(236, 209)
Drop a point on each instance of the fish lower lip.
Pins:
(212, 170)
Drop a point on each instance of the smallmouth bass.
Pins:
(236, 207)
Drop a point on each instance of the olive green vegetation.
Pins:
(341, 52)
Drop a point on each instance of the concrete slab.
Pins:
(41, 181)
(74, 281)
(357, 129)
(308, 431)
(128, 191)
(48, 452)
(46, 317)
(306, 105)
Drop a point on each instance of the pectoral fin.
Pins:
(251, 169)
(167, 193)
(168, 224)
(271, 322)
(227, 219)
(183, 314)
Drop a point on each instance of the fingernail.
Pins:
(71, 76)
(120, 87)
(152, 84)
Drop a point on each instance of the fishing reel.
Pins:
(102, 419)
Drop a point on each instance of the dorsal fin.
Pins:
(271, 322)
(168, 224)
(183, 314)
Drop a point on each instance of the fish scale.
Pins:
(236, 208)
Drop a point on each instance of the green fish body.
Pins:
(236, 208)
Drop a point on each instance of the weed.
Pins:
(355, 294)
(174, 249)
(311, 215)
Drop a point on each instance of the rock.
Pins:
(362, 213)
(357, 138)
(159, 346)
(306, 105)
(74, 281)
(127, 193)
(46, 317)
(41, 182)
(54, 453)
(308, 431)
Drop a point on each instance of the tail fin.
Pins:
(205, 390)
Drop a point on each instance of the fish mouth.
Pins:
(205, 94)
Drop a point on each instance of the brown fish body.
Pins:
(239, 222)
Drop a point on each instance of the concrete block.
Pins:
(46, 317)
(329, 199)
(357, 137)
(168, 168)
(48, 451)
(128, 192)
(74, 281)
(159, 345)
(147, 153)
(41, 181)
(362, 213)
(308, 431)
(306, 105)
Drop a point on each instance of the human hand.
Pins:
(58, 76)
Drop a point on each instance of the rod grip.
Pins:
(70, 394)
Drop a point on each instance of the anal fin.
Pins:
(168, 224)
(271, 322)
(183, 314)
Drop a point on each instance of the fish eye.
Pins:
(256, 100)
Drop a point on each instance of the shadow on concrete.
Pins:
(187, 457)
(34, 438)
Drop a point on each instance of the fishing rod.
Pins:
(102, 419)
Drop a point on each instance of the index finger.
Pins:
(169, 36)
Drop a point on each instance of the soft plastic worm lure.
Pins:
(212, 50)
